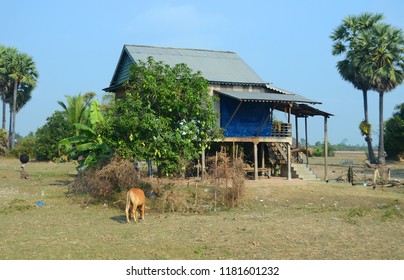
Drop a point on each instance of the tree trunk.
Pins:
(368, 137)
(9, 126)
(14, 110)
(381, 155)
(3, 119)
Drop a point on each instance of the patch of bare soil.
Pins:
(337, 167)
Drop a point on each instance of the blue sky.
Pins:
(76, 45)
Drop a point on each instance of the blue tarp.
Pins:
(247, 120)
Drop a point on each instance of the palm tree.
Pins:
(345, 38)
(23, 96)
(20, 68)
(2, 86)
(6, 93)
(5, 83)
(75, 109)
(384, 46)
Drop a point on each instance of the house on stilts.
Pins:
(246, 105)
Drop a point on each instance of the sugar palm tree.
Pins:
(2, 87)
(20, 69)
(23, 96)
(5, 83)
(384, 46)
(5, 95)
(345, 38)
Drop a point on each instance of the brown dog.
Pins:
(135, 198)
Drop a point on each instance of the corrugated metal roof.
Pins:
(302, 110)
(273, 89)
(216, 66)
(267, 97)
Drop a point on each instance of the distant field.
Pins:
(339, 164)
(278, 219)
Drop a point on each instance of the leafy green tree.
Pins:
(167, 115)
(394, 133)
(20, 69)
(107, 102)
(48, 136)
(319, 148)
(346, 39)
(24, 145)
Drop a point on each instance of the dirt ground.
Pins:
(339, 164)
(277, 219)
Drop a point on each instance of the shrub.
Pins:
(172, 199)
(3, 142)
(49, 135)
(24, 146)
(319, 149)
(394, 133)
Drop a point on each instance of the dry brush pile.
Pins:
(223, 186)
(226, 175)
(104, 182)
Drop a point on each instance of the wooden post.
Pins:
(297, 137)
(376, 175)
(325, 149)
(297, 131)
(289, 162)
(262, 158)
(255, 160)
(307, 141)
(288, 146)
(203, 164)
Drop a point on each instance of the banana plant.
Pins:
(88, 148)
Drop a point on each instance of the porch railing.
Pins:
(281, 130)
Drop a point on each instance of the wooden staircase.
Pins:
(278, 154)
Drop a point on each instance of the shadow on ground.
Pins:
(119, 219)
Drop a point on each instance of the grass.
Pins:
(278, 219)
(15, 205)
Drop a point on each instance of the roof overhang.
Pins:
(113, 88)
(298, 104)
(304, 110)
(273, 89)
(266, 97)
